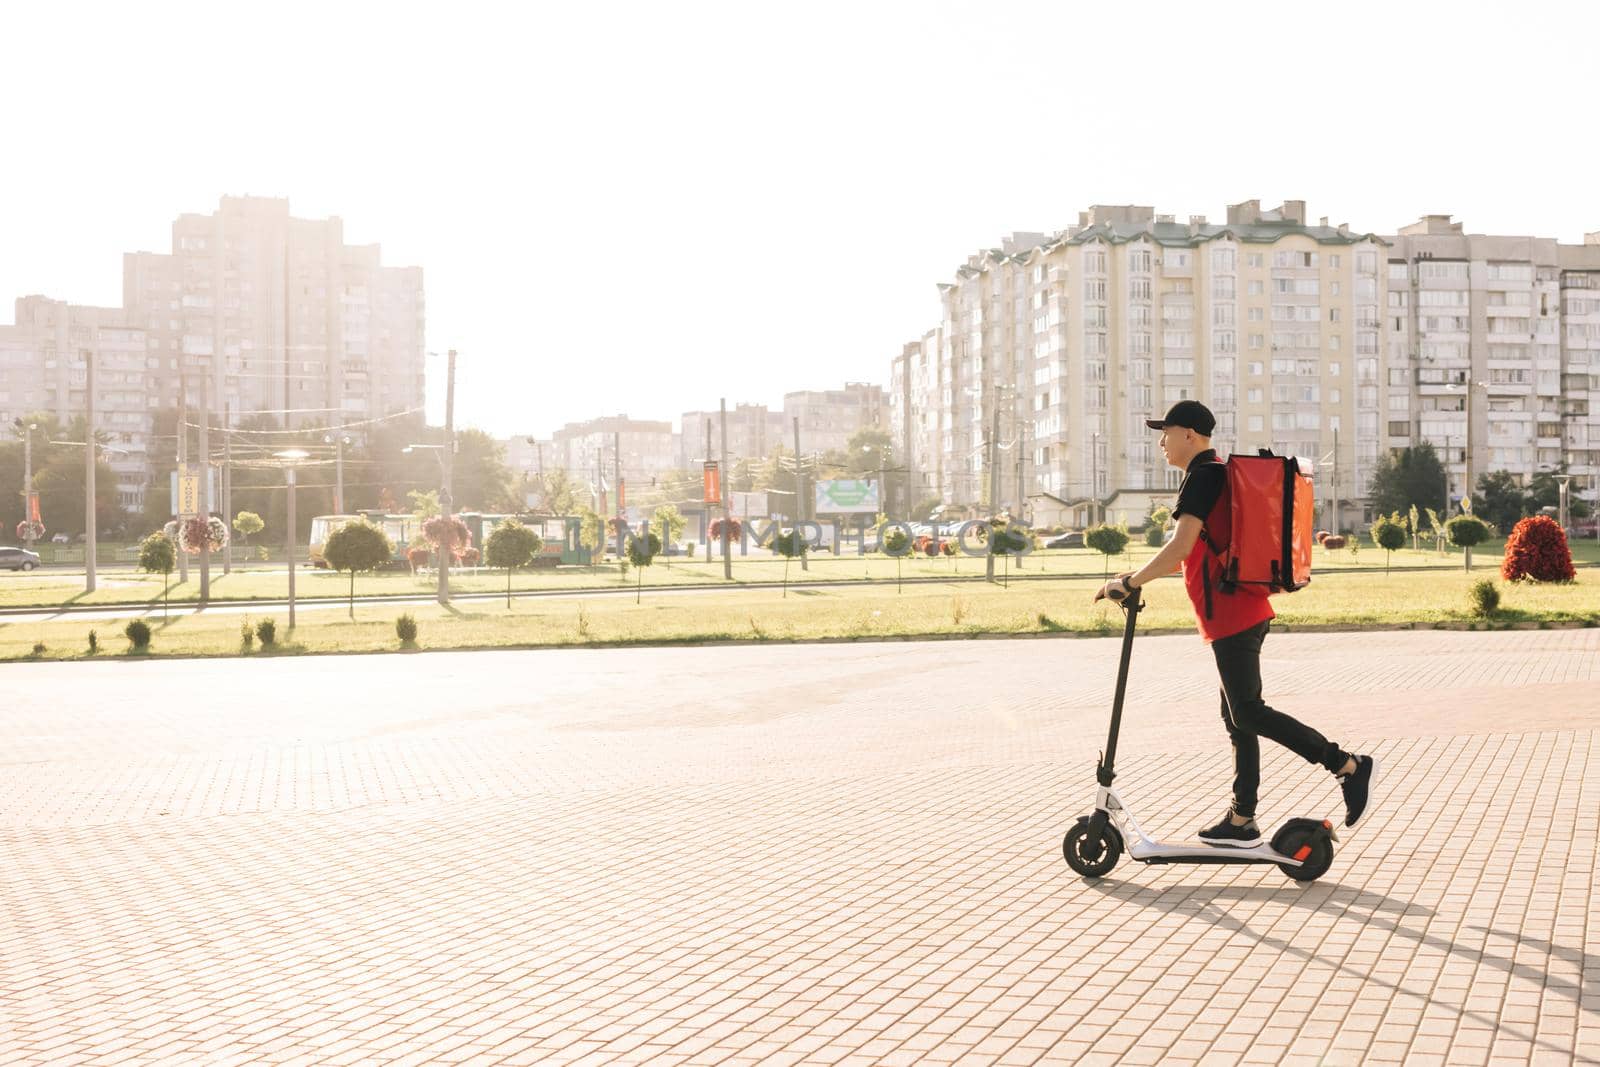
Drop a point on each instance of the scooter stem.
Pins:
(1131, 606)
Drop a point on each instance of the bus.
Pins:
(559, 534)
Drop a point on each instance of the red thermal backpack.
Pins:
(1269, 550)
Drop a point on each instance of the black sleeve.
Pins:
(1201, 490)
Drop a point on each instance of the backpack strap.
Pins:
(1205, 536)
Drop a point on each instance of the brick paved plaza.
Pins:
(841, 853)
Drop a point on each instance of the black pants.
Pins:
(1249, 719)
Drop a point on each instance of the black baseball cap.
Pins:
(1190, 414)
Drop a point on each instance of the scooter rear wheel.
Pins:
(1090, 853)
(1316, 862)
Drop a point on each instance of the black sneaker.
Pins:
(1225, 833)
(1357, 787)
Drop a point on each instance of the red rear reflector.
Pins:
(1305, 850)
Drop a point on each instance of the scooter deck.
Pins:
(1159, 852)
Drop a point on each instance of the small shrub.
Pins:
(247, 636)
(1154, 536)
(1537, 549)
(138, 634)
(470, 557)
(405, 628)
(262, 554)
(958, 610)
(38, 649)
(267, 633)
(94, 642)
(1323, 535)
(1333, 542)
(1485, 598)
(583, 622)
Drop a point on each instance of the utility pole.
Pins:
(446, 505)
(994, 487)
(727, 512)
(289, 471)
(183, 464)
(205, 486)
(616, 465)
(338, 471)
(1094, 475)
(27, 482)
(799, 491)
(227, 482)
(720, 473)
(88, 472)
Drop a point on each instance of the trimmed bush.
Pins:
(1537, 549)
(94, 642)
(1484, 597)
(1333, 542)
(1107, 540)
(1465, 531)
(267, 633)
(138, 634)
(405, 628)
(1155, 536)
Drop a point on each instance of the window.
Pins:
(1094, 262)
(1510, 272)
(1255, 288)
(1222, 260)
(1255, 367)
(1253, 395)
(1139, 260)
(1255, 314)
(1255, 424)
(1366, 263)
(1333, 343)
(1333, 261)
(1094, 290)
(1176, 259)
(1224, 341)
(1177, 366)
(1255, 340)
(1222, 288)
(1138, 288)
(1222, 315)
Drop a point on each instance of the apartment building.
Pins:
(43, 368)
(1069, 342)
(638, 449)
(753, 432)
(283, 316)
(915, 388)
(830, 417)
(1516, 317)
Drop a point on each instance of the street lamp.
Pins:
(291, 458)
(338, 441)
(1466, 492)
(28, 498)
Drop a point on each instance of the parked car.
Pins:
(61, 539)
(1066, 540)
(18, 559)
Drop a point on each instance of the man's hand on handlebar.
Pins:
(1117, 589)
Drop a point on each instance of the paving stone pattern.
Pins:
(790, 854)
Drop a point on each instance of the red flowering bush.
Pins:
(469, 556)
(947, 547)
(933, 548)
(733, 527)
(450, 531)
(27, 529)
(1323, 535)
(1333, 541)
(1537, 549)
(193, 534)
(418, 556)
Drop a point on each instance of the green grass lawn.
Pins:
(1061, 605)
(123, 586)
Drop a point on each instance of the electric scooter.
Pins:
(1303, 848)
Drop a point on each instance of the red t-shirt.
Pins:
(1204, 493)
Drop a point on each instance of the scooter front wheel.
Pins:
(1089, 852)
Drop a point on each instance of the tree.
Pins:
(1466, 531)
(1406, 477)
(1435, 528)
(591, 533)
(1537, 549)
(868, 449)
(1388, 534)
(511, 545)
(642, 551)
(896, 544)
(788, 544)
(481, 480)
(557, 495)
(1503, 502)
(1107, 540)
(158, 555)
(424, 503)
(246, 523)
(357, 546)
(447, 534)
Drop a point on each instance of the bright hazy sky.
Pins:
(641, 208)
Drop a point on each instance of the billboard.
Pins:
(847, 496)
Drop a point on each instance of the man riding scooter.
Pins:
(1234, 622)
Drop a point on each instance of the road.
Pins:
(824, 853)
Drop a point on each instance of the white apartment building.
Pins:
(1519, 318)
(1075, 339)
(285, 317)
(598, 450)
(1308, 339)
(830, 417)
(753, 432)
(43, 360)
